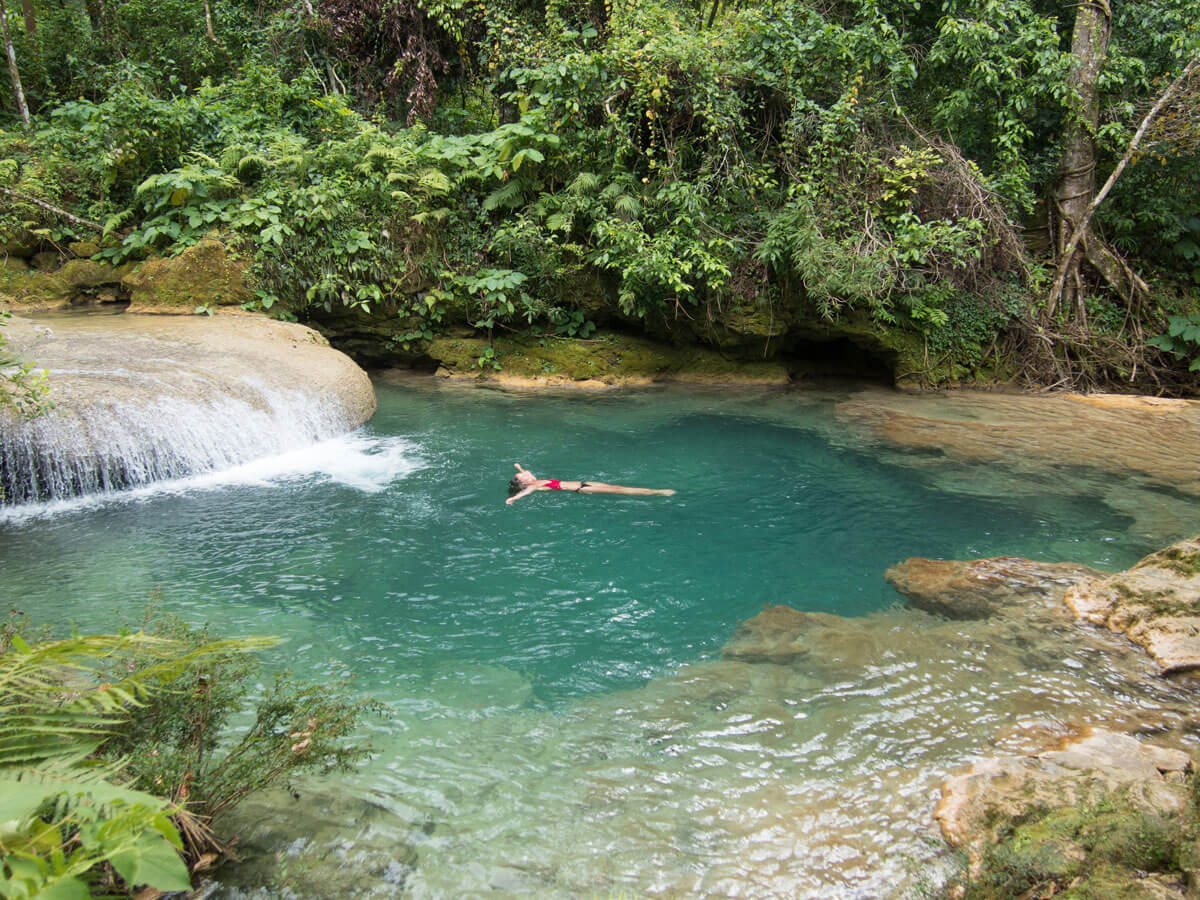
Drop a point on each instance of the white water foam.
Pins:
(357, 460)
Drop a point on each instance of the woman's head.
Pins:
(520, 481)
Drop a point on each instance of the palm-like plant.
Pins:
(62, 812)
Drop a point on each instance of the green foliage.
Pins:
(1182, 340)
(67, 815)
(58, 832)
(97, 732)
(178, 742)
(827, 158)
(23, 386)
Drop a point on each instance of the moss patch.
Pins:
(1104, 850)
(205, 273)
(72, 280)
(612, 359)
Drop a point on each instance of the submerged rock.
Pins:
(979, 588)
(316, 843)
(138, 399)
(775, 635)
(1156, 603)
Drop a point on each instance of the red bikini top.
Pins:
(554, 485)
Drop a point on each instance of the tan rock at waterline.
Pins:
(1156, 603)
(775, 635)
(976, 805)
(1148, 435)
(979, 588)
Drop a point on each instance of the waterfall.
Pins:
(170, 409)
(110, 447)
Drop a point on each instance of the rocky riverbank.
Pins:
(1098, 814)
(744, 343)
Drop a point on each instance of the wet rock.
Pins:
(321, 843)
(141, 398)
(615, 360)
(975, 807)
(1156, 603)
(775, 635)
(980, 588)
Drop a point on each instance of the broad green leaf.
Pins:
(65, 888)
(154, 862)
(1188, 249)
(20, 799)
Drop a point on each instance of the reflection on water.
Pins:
(561, 722)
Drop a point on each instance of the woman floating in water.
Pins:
(526, 483)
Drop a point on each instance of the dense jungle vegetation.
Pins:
(938, 170)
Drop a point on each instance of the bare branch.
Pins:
(1064, 264)
(50, 207)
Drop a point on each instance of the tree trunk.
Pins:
(1077, 171)
(18, 92)
(208, 26)
(30, 16)
(95, 14)
(1099, 255)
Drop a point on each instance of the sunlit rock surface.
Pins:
(139, 399)
(1156, 603)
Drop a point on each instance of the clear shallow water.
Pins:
(561, 722)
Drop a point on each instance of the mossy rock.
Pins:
(1109, 882)
(611, 359)
(20, 243)
(47, 290)
(205, 273)
(83, 249)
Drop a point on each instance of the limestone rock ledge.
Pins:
(205, 274)
(140, 399)
(1156, 604)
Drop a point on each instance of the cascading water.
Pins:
(172, 407)
(113, 447)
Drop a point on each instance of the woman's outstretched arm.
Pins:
(521, 493)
